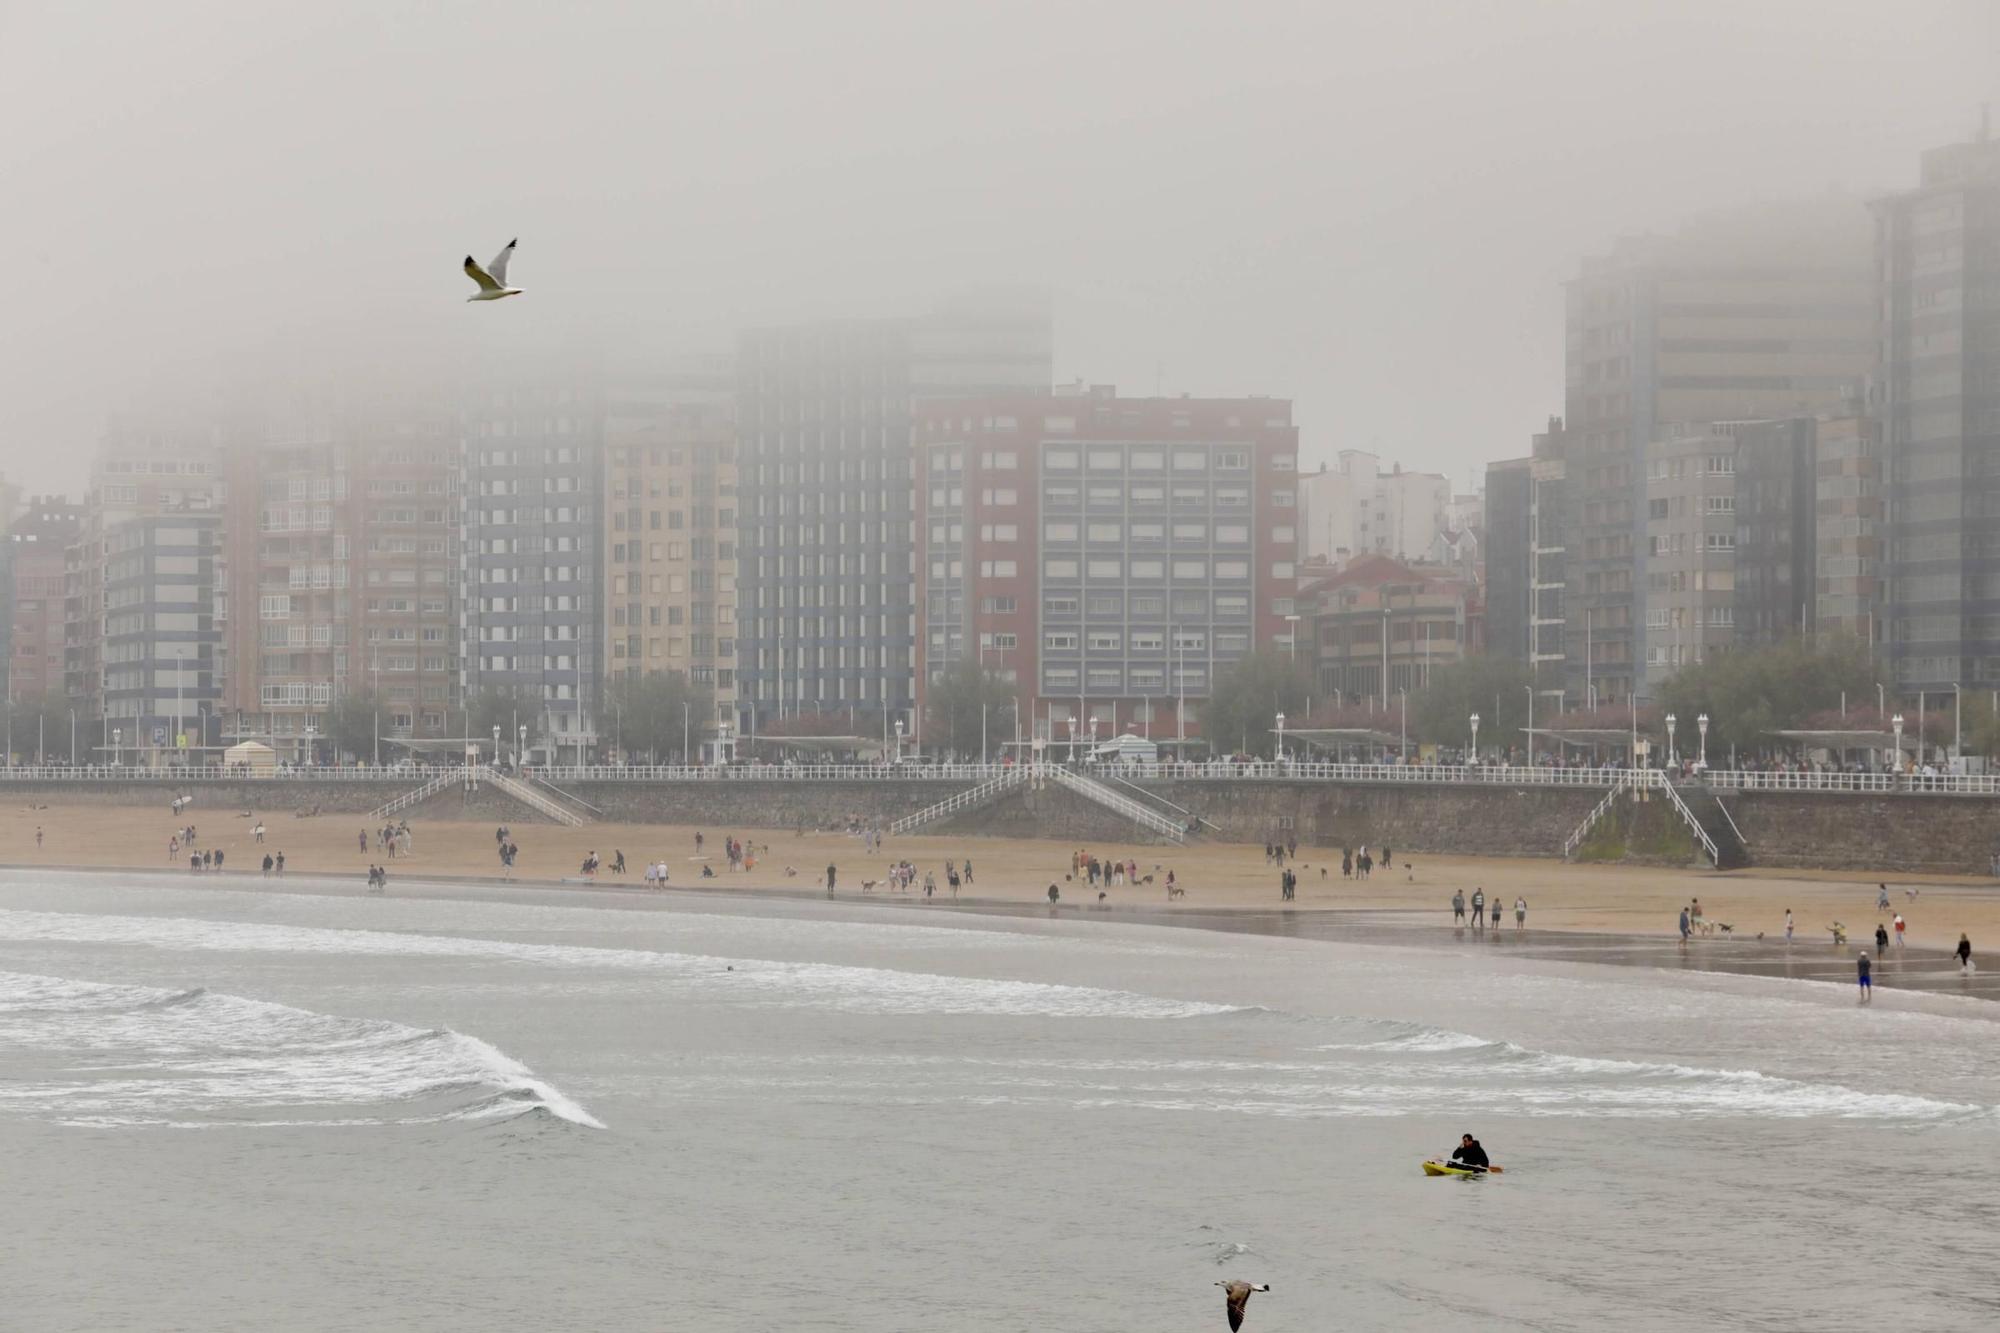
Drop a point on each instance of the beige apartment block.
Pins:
(1690, 551)
(670, 548)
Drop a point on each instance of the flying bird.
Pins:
(1237, 1294)
(492, 279)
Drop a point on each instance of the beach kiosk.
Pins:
(259, 761)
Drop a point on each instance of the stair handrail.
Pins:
(1597, 812)
(410, 798)
(1687, 817)
(533, 799)
(1131, 809)
(1123, 782)
(563, 792)
(960, 800)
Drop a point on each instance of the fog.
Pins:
(1369, 208)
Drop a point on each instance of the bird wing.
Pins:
(480, 275)
(1237, 1299)
(498, 268)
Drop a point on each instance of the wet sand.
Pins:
(1623, 915)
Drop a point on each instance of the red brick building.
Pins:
(1106, 556)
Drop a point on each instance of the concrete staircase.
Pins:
(1715, 826)
(533, 799)
(1598, 812)
(423, 793)
(971, 799)
(1145, 816)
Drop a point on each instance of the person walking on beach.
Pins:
(38, 837)
(267, 865)
(1788, 925)
(1458, 907)
(1496, 911)
(1478, 909)
(1520, 913)
(1899, 930)
(1684, 928)
(1862, 978)
(1881, 938)
(830, 875)
(1881, 897)
(1964, 952)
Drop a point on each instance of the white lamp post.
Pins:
(521, 750)
(1701, 725)
(899, 741)
(1475, 738)
(1897, 723)
(1281, 736)
(1671, 719)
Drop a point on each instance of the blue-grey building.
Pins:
(161, 687)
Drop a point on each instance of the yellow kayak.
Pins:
(1448, 1169)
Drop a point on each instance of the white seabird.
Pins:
(492, 279)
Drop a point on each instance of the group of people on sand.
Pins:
(392, 838)
(1111, 874)
(1357, 864)
(1480, 906)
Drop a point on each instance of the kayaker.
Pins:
(1470, 1155)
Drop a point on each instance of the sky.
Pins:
(1368, 208)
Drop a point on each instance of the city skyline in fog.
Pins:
(1364, 210)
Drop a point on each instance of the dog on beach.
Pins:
(1176, 891)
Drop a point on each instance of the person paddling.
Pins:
(1471, 1156)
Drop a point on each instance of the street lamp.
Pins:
(1897, 723)
(1671, 719)
(1475, 738)
(1403, 737)
(1531, 724)
(521, 750)
(1957, 730)
(1281, 736)
(1701, 725)
(496, 740)
(722, 741)
(311, 731)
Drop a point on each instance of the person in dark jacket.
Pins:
(1470, 1154)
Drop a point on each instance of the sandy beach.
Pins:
(1217, 877)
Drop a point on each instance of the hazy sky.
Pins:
(1366, 207)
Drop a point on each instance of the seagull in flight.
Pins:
(1237, 1294)
(492, 279)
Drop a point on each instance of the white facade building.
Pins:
(1355, 508)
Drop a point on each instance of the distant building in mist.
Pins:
(1848, 529)
(533, 556)
(1104, 556)
(670, 554)
(826, 547)
(1938, 253)
(1526, 564)
(1356, 508)
(144, 471)
(37, 544)
(1376, 614)
(341, 579)
(1758, 314)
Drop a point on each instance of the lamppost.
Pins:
(117, 738)
(1957, 731)
(496, 741)
(1403, 742)
(1897, 723)
(899, 741)
(521, 750)
(180, 672)
(722, 741)
(1281, 737)
(1531, 724)
(1701, 725)
(1475, 738)
(311, 731)
(1881, 705)
(1671, 719)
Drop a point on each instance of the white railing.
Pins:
(1597, 812)
(1687, 817)
(1108, 775)
(964, 800)
(533, 799)
(1942, 784)
(1144, 816)
(410, 798)
(216, 773)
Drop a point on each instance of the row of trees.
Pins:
(1748, 697)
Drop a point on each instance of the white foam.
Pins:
(144, 1055)
(824, 985)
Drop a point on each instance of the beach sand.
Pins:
(1624, 900)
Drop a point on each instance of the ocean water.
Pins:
(231, 1108)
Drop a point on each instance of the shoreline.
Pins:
(1918, 970)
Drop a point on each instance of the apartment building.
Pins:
(1938, 256)
(1356, 507)
(1105, 556)
(138, 471)
(1690, 551)
(1753, 315)
(1377, 627)
(670, 554)
(532, 557)
(1848, 528)
(37, 544)
(161, 686)
(827, 541)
